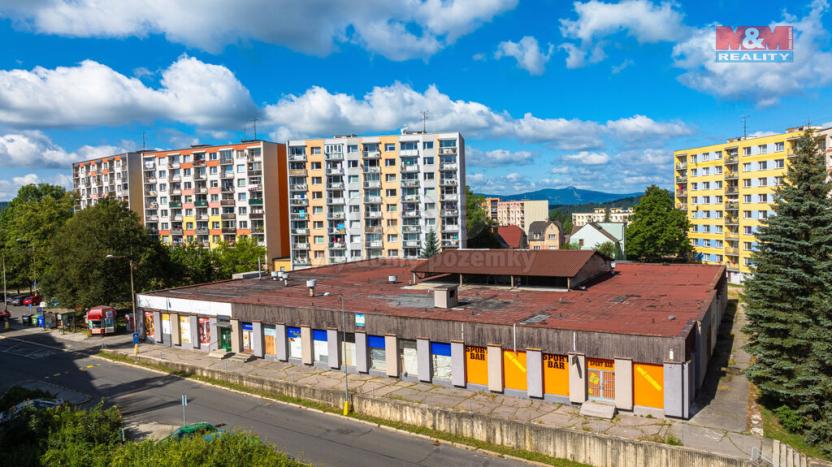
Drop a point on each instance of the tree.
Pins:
(27, 227)
(80, 275)
(480, 227)
(430, 248)
(657, 231)
(193, 264)
(242, 256)
(608, 249)
(789, 298)
(570, 246)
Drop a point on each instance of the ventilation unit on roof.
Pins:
(392, 279)
(445, 297)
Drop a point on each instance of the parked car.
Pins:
(16, 300)
(33, 300)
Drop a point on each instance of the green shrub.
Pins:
(790, 419)
(17, 394)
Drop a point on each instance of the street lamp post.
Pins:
(34, 278)
(344, 356)
(132, 301)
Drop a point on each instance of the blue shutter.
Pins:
(292, 332)
(376, 342)
(440, 348)
(319, 335)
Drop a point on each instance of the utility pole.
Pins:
(344, 356)
(5, 296)
(132, 300)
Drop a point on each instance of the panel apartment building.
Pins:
(520, 212)
(727, 190)
(118, 176)
(354, 198)
(213, 194)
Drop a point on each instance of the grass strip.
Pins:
(429, 432)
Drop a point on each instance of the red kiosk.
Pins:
(101, 320)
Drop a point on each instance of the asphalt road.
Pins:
(145, 397)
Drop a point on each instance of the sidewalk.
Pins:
(625, 425)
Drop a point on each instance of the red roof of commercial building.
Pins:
(512, 235)
(540, 263)
(639, 299)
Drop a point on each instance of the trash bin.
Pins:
(40, 321)
(25, 320)
(34, 320)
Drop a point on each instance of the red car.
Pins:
(33, 300)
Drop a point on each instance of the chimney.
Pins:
(392, 279)
(310, 284)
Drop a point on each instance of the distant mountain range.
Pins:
(568, 196)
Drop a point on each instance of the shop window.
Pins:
(409, 359)
(293, 338)
(440, 356)
(600, 379)
(319, 346)
(378, 358)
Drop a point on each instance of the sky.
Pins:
(548, 94)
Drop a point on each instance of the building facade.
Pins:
(490, 205)
(727, 190)
(594, 234)
(354, 198)
(118, 176)
(602, 215)
(639, 339)
(522, 212)
(545, 235)
(214, 194)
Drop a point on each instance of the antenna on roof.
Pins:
(424, 121)
(255, 127)
(144, 142)
(744, 126)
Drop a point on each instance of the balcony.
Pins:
(255, 202)
(298, 187)
(202, 231)
(732, 206)
(227, 175)
(258, 230)
(410, 168)
(731, 175)
(372, 184)
(411, 198)
(732, 190)
(337, 259)
(373, 243)
(337, 246)
(730, 234)
(176, 232)
(450, 212)
(411, 228)
(732, 251)
(372, 155)
(229, 230)
(450, 197)
(412, 243)
(372, 199)
(202, 217)
(682, 179)
(681, 166)
(150, 180)
(255, 188)
(731, 220)
(255, 215)
(450, 228)
(297, 172)
(410, 183)
(449, 182)
(297, 157)
(447, 151)
(681, 193)
(683, 206)
(227, 202)
(299, 202)
(201, 203)
(175, 205)
(300, 231)
(152, 218)
(300, 261)
(450, 243)
(372, 170)
(732, 159)
(373, 215)
(411, 214)
(334, 156)
(228, 215)
(376, 229)
(335, 215)
(335, 201)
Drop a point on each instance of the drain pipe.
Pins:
(514, 336)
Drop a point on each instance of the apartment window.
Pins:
(317, 194)
(779, 146)
(762, 181)
(390, 178)
(427, 145)
(762, 149)
(430, 206)
(389, 147)
(352, 164)
(762, 214)
(763, 198)
(241, 168)
(746, 182)
(242, 210)
(316, 165)
(317, 224)
(215, 211)
(241, 182)
(319, 239)
(355, 208)
(212, 156)
(746, 214)
(779, 163)
(717, 155)
(390, 192)
(241, 196)
(317, 180)
(352, 179)
(392, 253)
(392, 238)
(389, 162)
(212, 170)
(762, 165)
(746, 198)
(778, 180)
(317, 209)
(746, 167)
(428, 175)
(319, 254)
(746, 151)
(427, 160)
(392, 222)
(243, 224)
(392, 207)
(316, 150)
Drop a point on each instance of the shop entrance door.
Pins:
(601, 385)
(225, 339)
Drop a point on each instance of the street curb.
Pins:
(365, 422)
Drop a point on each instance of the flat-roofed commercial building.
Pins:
(569, 326)
(118, 176)
(353, 198)
(213, 194)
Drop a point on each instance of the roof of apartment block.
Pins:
(639, 299)
(512, 235)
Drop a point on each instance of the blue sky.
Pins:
(547, 93)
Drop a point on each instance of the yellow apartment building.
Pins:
(727, 190)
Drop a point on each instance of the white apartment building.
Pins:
(354, 198)
(619, 215)
(117, 176)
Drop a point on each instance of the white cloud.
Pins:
(479, 57)
(588, 158)
(496, 157)
(90, 93)
(764, 84)
(527, 53)
(399, 30)
(596, 20)
(621, 66)
(35, 149)
(320, 112)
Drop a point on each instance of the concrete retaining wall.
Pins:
(586, 447)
